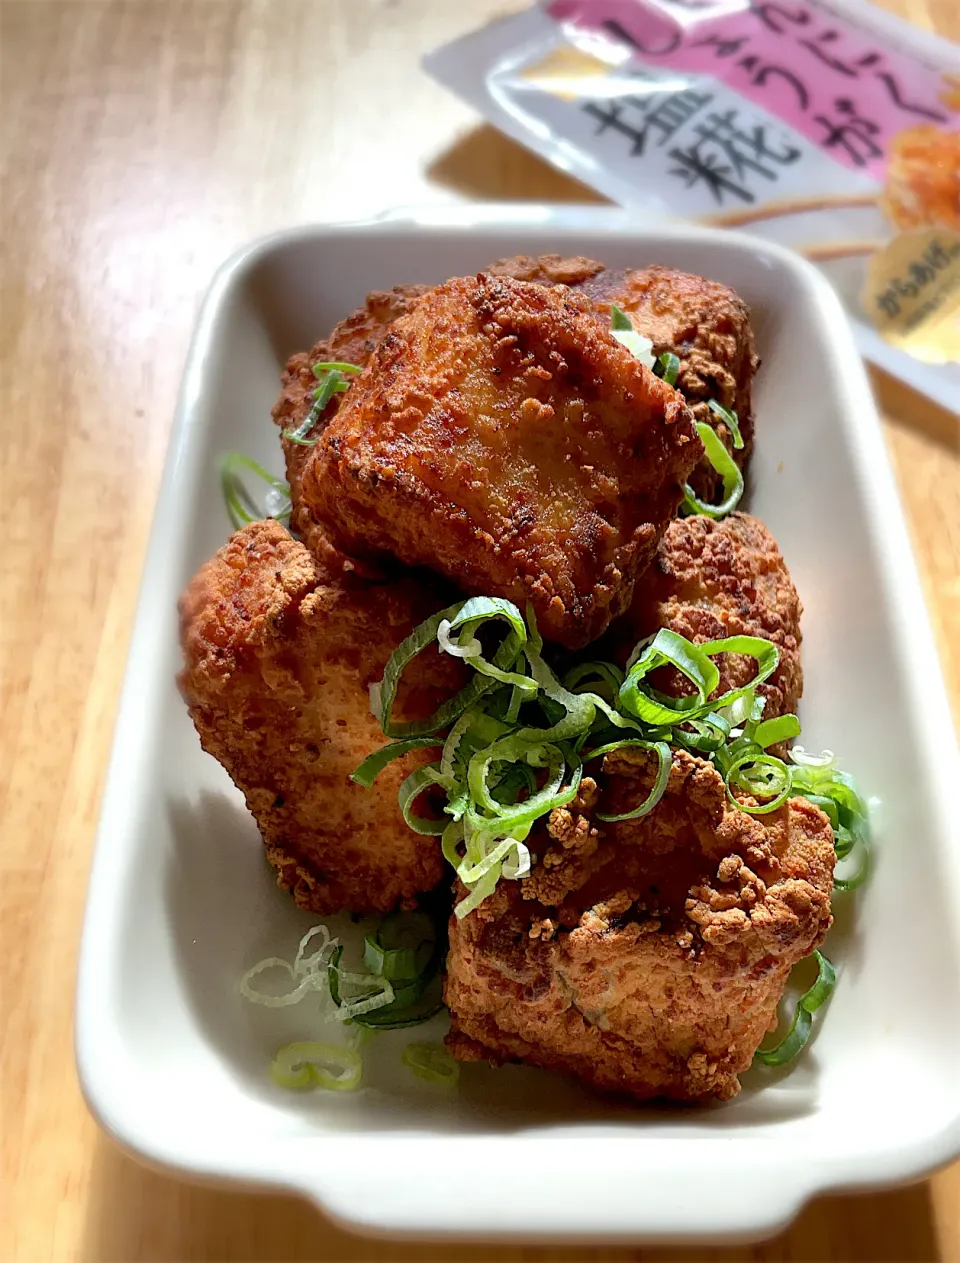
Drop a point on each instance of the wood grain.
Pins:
(143, 142)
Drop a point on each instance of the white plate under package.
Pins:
(174, 1062)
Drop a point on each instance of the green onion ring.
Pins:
(671, 367)
(726, 467)
(862, 872)
(373, 764)
(665, 757)
(431, 1062)
(239, 503)
(304, 1065)
(412, 787)
(425, 635)
(772, 732)
(758, 760)
(765, 651)
(669, 649)
(731, 421)
(796, 1038)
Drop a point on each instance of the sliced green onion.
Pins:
(772, 731)
(814, 762)
(482, 890)
(523, 814)
(665, 757)
(668, 649)
(746, 706)
(373, 764)
(862, 872)
(765, 651)
(402, 946)
(729, 418)
(303, 964)
(431, 1062)
(670, 366)
(241, 507)
(638, 346)
(335, 366)
(472, 873)
(415, 1004)
(331, 378)
(726, 467)
(309, 1064)
(780, 789)
(608, 673)
(411, 789)
(800, 1029)
(706, 735)
(277, 1000)
(424, 635)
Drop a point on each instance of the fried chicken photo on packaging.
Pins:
(279, 653)
(503, 437)
(648, 956)
(714, 579)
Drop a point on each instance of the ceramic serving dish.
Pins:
(172, 1060)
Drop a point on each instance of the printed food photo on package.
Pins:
(831, 128)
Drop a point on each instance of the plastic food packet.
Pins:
(825, 125)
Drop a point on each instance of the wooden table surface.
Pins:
(144, 141)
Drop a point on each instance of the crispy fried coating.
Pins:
(547, 269)
(352, 341)
(645, 957)
(707, 326)
(279, 654)
(715, 579)
(503, 437)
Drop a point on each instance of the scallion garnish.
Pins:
(619, 320)
(667, 367)
(802, 1026)
(729, 418)
(332, 379)
(638, 346)
(433, 1063)
(500, 770)
(726, 467)
(241, 506)
(310, 1064)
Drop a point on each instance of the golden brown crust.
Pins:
(547, 269)
(502, 436)
(353, 341)
(707, 326)
(715, 579)
(279, 654)
(645, 957)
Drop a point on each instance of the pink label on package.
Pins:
(831, 81)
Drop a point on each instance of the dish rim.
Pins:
(340, 1190)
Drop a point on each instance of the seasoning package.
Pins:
(825, 125)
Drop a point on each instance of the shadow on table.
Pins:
(487, 165)
(138, 1216)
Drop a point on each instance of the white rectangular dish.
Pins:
(173, 1062)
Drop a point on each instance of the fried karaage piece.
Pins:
(352, 341)
(547, 269)
(279, 655)
(502, 436)
(715, 579)
(645, 957)
(707, 326)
